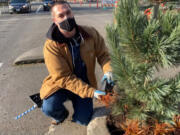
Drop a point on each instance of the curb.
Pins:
(34, 55)
(98, 125)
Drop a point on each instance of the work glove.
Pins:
(98, 93)
(108, 77)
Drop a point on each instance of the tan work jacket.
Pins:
(59, 64)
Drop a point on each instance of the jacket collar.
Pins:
(55, 35)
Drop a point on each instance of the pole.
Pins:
(80, 2)
(90, 3)
(97, 3)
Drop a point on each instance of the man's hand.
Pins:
(108, 77)
(98, 93)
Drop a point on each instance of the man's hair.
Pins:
(59, 2)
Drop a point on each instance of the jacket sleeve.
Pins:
(61, 74)
(101, 52)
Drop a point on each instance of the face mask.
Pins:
(68, 24)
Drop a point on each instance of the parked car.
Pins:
(47, 4)
(19, 6)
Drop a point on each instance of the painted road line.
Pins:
(1, 65)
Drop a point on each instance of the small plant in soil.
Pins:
(139, 44)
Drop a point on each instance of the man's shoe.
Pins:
(56, 122)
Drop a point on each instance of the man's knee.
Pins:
(49, 108)
(54, 103)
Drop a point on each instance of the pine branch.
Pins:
(138, 46)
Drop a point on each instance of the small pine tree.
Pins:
(139, 45)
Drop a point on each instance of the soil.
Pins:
(113, 124)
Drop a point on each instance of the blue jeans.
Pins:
(83, 107)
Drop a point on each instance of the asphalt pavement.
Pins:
(22, 37)
(19, 34)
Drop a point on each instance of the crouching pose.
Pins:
(70, 54)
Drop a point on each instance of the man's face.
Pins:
(61, 13)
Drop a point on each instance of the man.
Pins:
(70, 54)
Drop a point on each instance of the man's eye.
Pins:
(61, 15)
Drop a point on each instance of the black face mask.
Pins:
(68, 24)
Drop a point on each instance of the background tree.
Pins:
(156, 4)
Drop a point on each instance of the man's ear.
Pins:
(54, 21)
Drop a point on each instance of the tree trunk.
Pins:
(156, 8)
